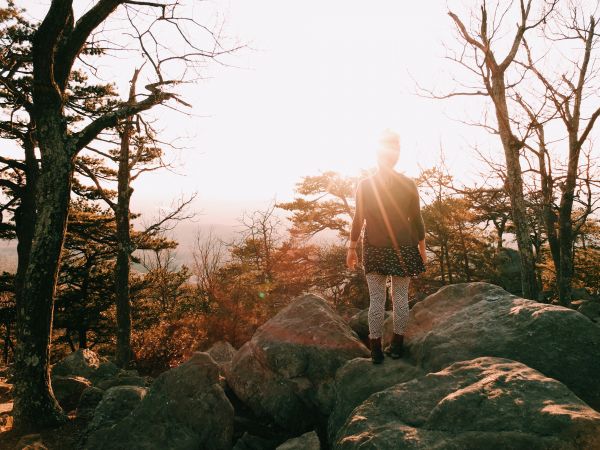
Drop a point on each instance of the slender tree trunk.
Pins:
(35, 404)
(565, 224)
(500, 234)
(122, 267)
(448, 264)
(548, 211)
(442, 264)
(514, 182)
(465, 252)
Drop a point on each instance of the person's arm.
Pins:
(357, 224)
(417, 221)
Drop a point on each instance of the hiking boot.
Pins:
(395, 349)
(376, 353)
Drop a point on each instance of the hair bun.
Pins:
(390, 138)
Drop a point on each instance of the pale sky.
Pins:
(321, 81)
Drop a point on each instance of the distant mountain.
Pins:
(185, 233)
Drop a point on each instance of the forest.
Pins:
(91, 276)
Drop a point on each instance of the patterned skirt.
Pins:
(407, 262)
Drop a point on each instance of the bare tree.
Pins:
(260, 236)
(479, 56)
(209, 256)
(59, 41)
(564, 96)
(145, 156)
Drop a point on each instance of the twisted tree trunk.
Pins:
(35, 404)
(124, 250)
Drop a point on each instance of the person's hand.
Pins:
(423, 251)
(351, 258)
(423, 256)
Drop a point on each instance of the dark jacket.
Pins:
(391, 209)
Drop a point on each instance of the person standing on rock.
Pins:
(388, 205)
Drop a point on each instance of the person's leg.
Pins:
(376, 283)
(400, 302)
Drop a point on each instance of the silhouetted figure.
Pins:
(387, 204)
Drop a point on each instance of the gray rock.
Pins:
(185, 408)
(81, 363)
(358, 379)
(590, 309)
(307, 441)
(106, 369)
(68, 390)
(465, 321)
(88, 401)
(116, 404)
(222, 352)
(482, 403)
(346, 312)
(286, 371)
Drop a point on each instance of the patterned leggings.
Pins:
(376, 283)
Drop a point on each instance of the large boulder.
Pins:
(185, 408)
(68, 390)
(286, 371)
(358, 379)
(469, 320)
(80, 363)
(481, 403)
(90, 398)
(222, 352)
(104, 371)
(590, 309)
(116, 404)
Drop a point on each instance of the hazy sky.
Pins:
(318, 84)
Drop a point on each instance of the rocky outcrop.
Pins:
(286, 371)
(83, 370)
(465, 321)
(481, 403)
(116, 404)
(88, 401)
(222, 352)
(185, 408)
(80, 363)
(358, 379)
